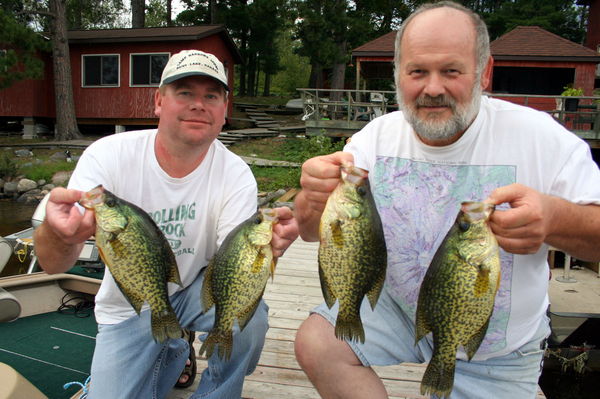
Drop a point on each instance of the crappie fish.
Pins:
(235, 279)
(352, 251)
(138, 256)
(457, 296)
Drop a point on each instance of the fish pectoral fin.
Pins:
(337, 235)
(259, 261)
(482, 282)
(272, 270)
(476, 339)
(328, 294)
(206, 293)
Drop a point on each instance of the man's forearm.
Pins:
(576, 230)
(308, 218)
(54, 255)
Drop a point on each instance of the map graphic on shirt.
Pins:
(418, 202)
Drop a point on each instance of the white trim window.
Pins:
(100, 70)
(145, 69)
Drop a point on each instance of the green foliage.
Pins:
(572, 91)
(273, 178)
(302, 149)
(561, 17)
(8, 168)
(20, 59)
(46, 170)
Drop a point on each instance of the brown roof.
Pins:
(523, 42)
(535, 43)
(382, 46)
(171, 33)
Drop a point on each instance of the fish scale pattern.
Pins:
(457, 296)
(139, 258)
(352, 253)
(236, 278)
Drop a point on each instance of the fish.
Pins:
(456, 298)
(235, 279)
(352, 254)
(138, 256)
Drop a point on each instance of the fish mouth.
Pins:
(93, 197)
(477, 210)
(269, 215)
(353, 174)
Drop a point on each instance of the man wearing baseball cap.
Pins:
(196, 191)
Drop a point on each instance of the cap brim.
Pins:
(173, 78)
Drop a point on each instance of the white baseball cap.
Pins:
(191, 63)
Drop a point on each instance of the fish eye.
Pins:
(464, 226)
(361, 190)
(257, 220)
(110, 202)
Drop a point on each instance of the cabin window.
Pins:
(100, 70)
(146, 69)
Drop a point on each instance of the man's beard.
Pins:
(433, 129)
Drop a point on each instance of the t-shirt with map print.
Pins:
(418, 190)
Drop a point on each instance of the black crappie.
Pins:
(236, 277)
(457, 296)
(139, 257)
(352, 251)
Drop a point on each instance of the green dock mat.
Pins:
(50, 350)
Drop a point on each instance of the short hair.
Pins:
(482, 38)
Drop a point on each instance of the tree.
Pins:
(66, 123)
(22, 62)
(137, 13)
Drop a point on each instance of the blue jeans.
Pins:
(128, 363)
(390, 339)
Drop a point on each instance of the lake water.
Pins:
(14, 217)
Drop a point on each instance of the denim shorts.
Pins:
(390, 340)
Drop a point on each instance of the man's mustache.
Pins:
(438, 101)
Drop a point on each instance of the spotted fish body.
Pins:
(138, 256)
(352, 251)
(235, 279)
(457, 296)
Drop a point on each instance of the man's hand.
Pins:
(59, 239)
(285, 231)
(320, 176)
(65, 219)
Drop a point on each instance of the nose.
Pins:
(434, 85)
(197, 103)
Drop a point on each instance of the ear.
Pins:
(157, 103)
(486, 75)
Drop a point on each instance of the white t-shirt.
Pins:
(195, 212)
(418, 190)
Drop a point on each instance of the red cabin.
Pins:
(115, 73)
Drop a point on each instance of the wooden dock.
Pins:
(294, 291)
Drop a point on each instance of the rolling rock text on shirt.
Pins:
(171, 221)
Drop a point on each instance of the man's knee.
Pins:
(310, 343)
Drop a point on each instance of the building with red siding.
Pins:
(115, 73)
(527, 60)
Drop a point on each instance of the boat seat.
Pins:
(14, 386)
(10, 308)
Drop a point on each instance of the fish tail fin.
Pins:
(165, 325)
(221, 339)
(348, 325)
(438, 378)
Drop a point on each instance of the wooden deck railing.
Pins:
(343, 112)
